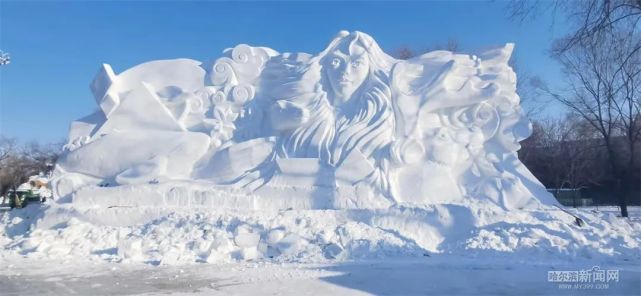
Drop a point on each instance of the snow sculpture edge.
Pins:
(349, 127)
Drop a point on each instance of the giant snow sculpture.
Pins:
(349, 127)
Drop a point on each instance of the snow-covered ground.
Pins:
(634, 211)
(437, 275)
(447, 249)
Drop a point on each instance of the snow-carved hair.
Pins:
(367, 122)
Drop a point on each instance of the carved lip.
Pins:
(345, 81)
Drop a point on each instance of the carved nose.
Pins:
(345, 74)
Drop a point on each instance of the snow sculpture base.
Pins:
(348, 128)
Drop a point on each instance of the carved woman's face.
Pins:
(346, 72)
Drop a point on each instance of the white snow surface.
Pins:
(165, 236)
(445, 250)
(443, 275)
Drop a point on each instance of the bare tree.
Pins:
(603, 88)
(601, 60)
(451, 45)
(7, 147)
(599, 19)
(590, 17)
(18, 163)
(522, 11)
(405, 52)
(562, 153)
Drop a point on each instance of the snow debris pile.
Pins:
(155, 236)
(38, 184)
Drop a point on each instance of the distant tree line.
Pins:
(568, 153)
(601, 60)
(20, 161)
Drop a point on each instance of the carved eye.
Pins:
(336, 62)
(357, 63)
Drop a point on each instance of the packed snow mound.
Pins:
(348, 128)
(156, 236)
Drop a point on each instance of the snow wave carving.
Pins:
(349, 127)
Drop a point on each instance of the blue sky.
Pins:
(57, 47)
